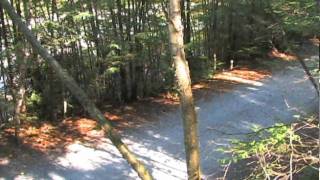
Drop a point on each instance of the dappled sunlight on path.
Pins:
(244, 76)
(275, 53)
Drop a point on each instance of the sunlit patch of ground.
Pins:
(204, 90)
(50, 137)
(167, 99)
(275, 53)
(244, 76)
(315, 41)
(47, 137)
(4, 161)
(113, 117)
(129, 116)
(201, 85)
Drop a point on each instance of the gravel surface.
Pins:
(159, 144)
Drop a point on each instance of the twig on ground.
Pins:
(226, 170)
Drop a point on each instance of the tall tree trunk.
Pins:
(318, 4)
(215, 28)
(78, 93)
(95, 27)
(20, 89)
(119, 16)
(187, 28)
(128, 81)
(5, 35)
(186, 98)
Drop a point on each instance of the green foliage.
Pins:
(6, 106)
(271, 152)
(79, 16)
(34, 99)
(114, 46)
(274, 139)
(112, 70)
(33, 103)
(298, 16)
(202, 67)
(95, 40)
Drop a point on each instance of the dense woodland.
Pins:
(119, 51)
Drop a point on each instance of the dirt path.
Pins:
(160, 143)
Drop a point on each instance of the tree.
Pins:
(318, 4)
(78, 93)
(189, 116)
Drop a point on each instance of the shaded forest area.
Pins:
(119, 52)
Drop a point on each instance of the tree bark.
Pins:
(77, 92)
(21, 88)
(311, 79)
(187, 31)
(186, 98)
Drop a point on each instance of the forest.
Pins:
(159, 89)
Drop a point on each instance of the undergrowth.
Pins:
(283, 151)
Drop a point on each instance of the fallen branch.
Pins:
(306, 70)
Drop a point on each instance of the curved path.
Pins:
(160, 143)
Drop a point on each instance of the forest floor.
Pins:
(229, 104)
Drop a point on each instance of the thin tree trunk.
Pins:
(318, 4)
(78, 93)
(18, 85)
(21, 88)
(215, 28)
(95, 28)
(306, 70)
(128, 81)
(186, 98)
(119, 16)
(188, 23)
